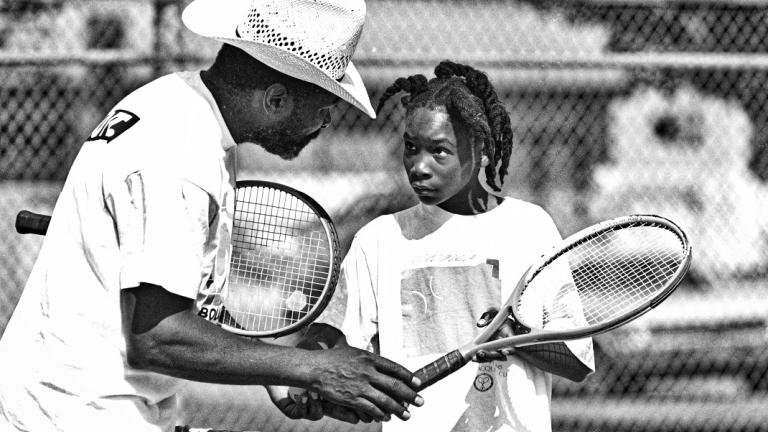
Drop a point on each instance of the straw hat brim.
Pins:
(218, 20)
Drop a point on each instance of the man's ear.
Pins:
(276, 100)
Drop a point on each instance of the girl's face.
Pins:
(438, 158)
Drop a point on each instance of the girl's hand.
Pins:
(506, 330)
(296, 403)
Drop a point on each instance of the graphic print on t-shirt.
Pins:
(210, 298)
(113, 125)
(442, 298)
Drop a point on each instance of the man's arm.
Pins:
(164, 335)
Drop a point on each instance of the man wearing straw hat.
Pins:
(105, 332)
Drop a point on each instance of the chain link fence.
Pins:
(618, 107)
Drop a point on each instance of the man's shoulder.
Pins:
(168, 101)
(173, 83)
(162, 110)
(166, 125)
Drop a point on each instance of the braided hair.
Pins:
(470, 99)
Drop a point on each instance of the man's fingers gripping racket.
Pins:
(28, 222)
(595, 280)
(388, 394)
(397, 386)
(395, 370)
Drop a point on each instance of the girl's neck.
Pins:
(471, 200)
(421, 220)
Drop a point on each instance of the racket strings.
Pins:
(603, 277)
(280, 260)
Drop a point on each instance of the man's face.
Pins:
(310, 113)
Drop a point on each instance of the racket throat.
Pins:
(517, 327)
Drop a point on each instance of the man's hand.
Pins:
(365, 382)
(353, 385)
(506, 330)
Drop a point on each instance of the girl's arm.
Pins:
(556, 357)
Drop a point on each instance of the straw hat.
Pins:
(312, 40)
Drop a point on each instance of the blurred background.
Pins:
(618, 106)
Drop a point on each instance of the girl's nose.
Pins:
(420, 168)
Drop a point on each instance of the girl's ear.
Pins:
(484, 161)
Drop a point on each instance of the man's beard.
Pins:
(282, 144)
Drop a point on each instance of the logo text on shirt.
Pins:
(212, 313)
(114, 125)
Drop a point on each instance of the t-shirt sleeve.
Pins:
(162, 224)
(353, 306)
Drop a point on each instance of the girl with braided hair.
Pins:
(469, 99)
(415, 282)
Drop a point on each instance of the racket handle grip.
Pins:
(32, 223)
(440, 368)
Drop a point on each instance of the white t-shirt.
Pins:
(420, 279)
(149, 199)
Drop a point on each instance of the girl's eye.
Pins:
(441, 151)
(409, 147)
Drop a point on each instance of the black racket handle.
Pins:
(440, 368)
(32, 223)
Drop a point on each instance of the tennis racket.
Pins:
(284, 263)
(595, 280)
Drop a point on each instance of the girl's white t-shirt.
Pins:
(420, 279)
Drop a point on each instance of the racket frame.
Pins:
(334, 267)
(537, 335)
